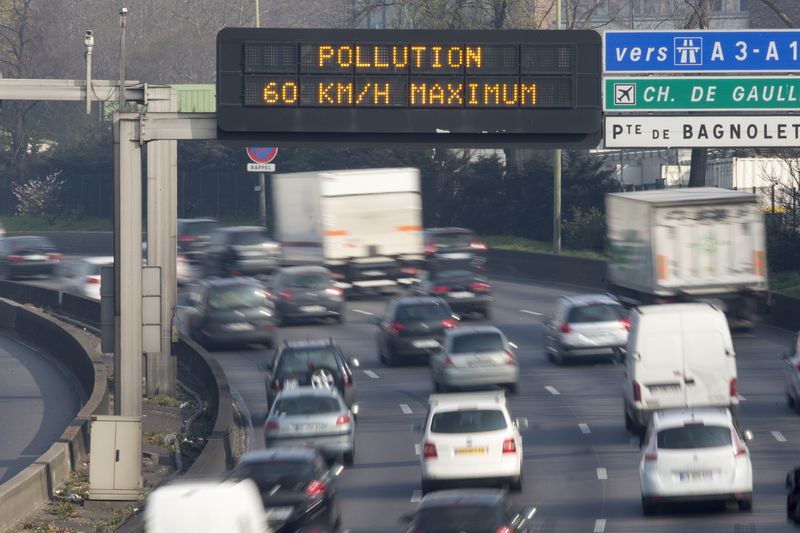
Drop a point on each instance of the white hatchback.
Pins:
(471, 437)
(695, 455)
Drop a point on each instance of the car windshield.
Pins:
(457, 518)
(694, 436)
(294, 361)
(595, 313)
(200, 229)
(308, 280)
(446, 275)
(267, 474)
(306, 405)
(477, 342)
(96, 268)
(236, 297)
(250, 237)
(468, 421)
(419, 312)
(30, 243)
(452, 240)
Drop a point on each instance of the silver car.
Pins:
(586, 325)
(312, 417)
(472, 357)
(792, 359)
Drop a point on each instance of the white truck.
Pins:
(364, 225)
(697, 244)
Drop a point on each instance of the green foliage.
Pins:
(164, 400)
(521, 244)
(787, 283)
(21, 223)
(65, 510)
(585, 230)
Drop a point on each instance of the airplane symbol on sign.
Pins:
(624, 94)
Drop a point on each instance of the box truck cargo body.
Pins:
(365, 225)
(701, 244)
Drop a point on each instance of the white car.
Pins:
(82, 276)
(793, 375)
(695, 455)
(468, 437)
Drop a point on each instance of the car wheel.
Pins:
(427, 486)
(649, 507)
(340, 319)
(512, 388)
(790, 402)
(487, 313)
(630, 424)
(516, 483)
(557, 357)
(746, 503)
(349, 457)
(390, 357)
(619, 356)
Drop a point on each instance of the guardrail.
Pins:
(51, 469)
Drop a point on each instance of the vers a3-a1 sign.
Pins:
(374, 86)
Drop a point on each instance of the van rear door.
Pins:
(660, 370)
(707, 360)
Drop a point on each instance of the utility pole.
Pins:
(557, 173)
(88, 42)
(262, 178)
(123, 23)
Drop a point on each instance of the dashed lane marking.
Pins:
(600, 525)
(602, 474)
(363, 312)
(405, 408)
(371, 374)
(529, 312)
(778, 436)
(741, 398)
(552, 390)
(584, 428)
(416, 449)
(416, 496)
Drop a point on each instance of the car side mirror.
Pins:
(748, 436)
(354, 362)
(521, 423)
(637, 356)
(416, 428)
(336, 469)
(528, 512)
(456, 316)
(513, 345)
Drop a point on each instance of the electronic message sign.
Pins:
(444, 87)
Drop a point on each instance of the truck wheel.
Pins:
(427, 486)
(516, 483)
(746, 503)
(649, 508)
(630, 425)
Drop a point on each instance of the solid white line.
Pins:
(552, 390)
(741, 398)
(405, 408)
(363, 312)
(416, 449)
(416, 496)
(584, 428)
(528, 312)
(602, 474)
(371, 374)
(778, 436)
(600, 525)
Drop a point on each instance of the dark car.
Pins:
(241, 250)
(465, 291)
(194, 236)
(230, 311)
(297, 488)
(28, 256)
(793, 495)
(306, 292)
(470, 511)
(412, 326)
(451, 248)
(318, 363)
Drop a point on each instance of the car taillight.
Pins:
(565, 328)
(732, 388)
(15, 258)
(315, 488)
(347, 382)
(285, 295)
(276, 385)
(440, 289)
(480, 286)
(637, 392)
(510, 359)
(342, 420)
(509, 446)
(429, 249)
(797, 366)
(92, 281)
(52, 256)
(449, 324)
(335, 291)
(187, 238)
(448, 362)
(506, 529)
(337, 276)
(626, 323)
(272, 425)
(429, 451)
(396, 328)
(651, 456)
(738, 447)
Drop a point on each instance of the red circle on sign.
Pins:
(262, 154)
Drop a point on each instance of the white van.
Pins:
(679, 355)
(206, 507)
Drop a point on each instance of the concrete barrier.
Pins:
(548, 267)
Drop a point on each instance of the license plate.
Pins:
(374, 273)
(668, 389)
(479, 362)
(278, 513)
(309, 427)
(425, 344)
(35, 257)
(694, 475)
(456, 255)
(461, 294)
(471, 451)
(240, 326)
(291, 384)
(312, 309)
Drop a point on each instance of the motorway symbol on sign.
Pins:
(701, 131)
(664, 93)
(706, 51)
(262, 154)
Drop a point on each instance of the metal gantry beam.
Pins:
(67, 90)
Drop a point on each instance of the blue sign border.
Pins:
(701, 51)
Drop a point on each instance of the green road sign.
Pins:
(701, 93)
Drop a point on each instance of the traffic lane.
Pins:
(38, 400)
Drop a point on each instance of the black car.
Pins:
(452, 248)
(469, 511)
(412, 326)
(241, 250)
(464, 290)
(793, 495)
(306, 292)
(28, 256)
(297, 488)
(194, 236)
(230, 311)
(318, 363)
